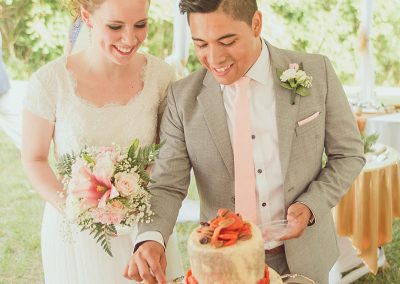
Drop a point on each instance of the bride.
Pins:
(106, 93)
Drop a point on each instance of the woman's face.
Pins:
(118, 28)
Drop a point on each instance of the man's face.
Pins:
(226, 47)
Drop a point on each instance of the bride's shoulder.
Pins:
(51, 69)
(157, 66)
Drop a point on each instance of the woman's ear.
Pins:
(85, 15)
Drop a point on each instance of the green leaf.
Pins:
(369, 141)
(279, 72)
(64, 164)
(97, 234)
(133, 148)
(292, 83)
(302, 91)
(113, 229)
(87, 158)
(286, 86)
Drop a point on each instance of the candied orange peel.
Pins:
(225, 230)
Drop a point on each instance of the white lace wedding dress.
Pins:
(51, 95)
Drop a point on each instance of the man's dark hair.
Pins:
(242, 10)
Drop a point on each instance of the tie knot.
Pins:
(242, 84)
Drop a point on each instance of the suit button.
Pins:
(253, 137)
(259, 171)
(233, 199)
(264, 204)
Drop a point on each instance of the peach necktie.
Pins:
(245, 184)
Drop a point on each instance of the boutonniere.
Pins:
(296, 80)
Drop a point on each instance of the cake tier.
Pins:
(274, 277)
(236, 264)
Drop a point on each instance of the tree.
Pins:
(330, 27)
(33, 32)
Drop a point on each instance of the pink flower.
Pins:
(294, 66)
(93, 189)
(110, 153)
(109, 215)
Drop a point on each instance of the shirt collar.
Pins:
(257, 71)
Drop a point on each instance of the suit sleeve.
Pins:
(343, 148)
(171, 172)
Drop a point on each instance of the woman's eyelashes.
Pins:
(114, 27)
(118, 27)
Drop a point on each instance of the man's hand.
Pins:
(147, 264)
(298, 217)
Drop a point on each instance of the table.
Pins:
(365, 214)
(388, 128)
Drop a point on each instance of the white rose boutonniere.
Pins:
(296, 80)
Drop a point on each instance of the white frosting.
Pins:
(236, 264)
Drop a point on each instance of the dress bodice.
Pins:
(79, 123)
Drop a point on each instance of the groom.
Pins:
(287, 139)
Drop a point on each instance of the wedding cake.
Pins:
(228, 250)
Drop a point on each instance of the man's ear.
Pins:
(256, 23)
(85, 15)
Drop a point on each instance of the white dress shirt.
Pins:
(267, 164)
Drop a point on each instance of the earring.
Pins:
(88, 24)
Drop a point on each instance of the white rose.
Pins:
(288, 74)
(127, 183)
(114, 154)
(104, 167)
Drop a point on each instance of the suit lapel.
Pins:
(212, 105)
(286, 114)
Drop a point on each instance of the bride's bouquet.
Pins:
(106, 188)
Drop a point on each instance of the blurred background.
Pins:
(361, 40)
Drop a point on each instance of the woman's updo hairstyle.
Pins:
(90, 5)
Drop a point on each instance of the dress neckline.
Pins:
(111, 104)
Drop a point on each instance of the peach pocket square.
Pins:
(308, 119)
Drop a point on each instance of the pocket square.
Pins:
(308, 119)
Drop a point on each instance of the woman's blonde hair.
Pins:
(90, 5)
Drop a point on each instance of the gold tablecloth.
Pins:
(366, 212)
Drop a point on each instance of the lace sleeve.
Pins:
(39, 100)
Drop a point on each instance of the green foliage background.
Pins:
(34, 33)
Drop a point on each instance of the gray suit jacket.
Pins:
(195, 128)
